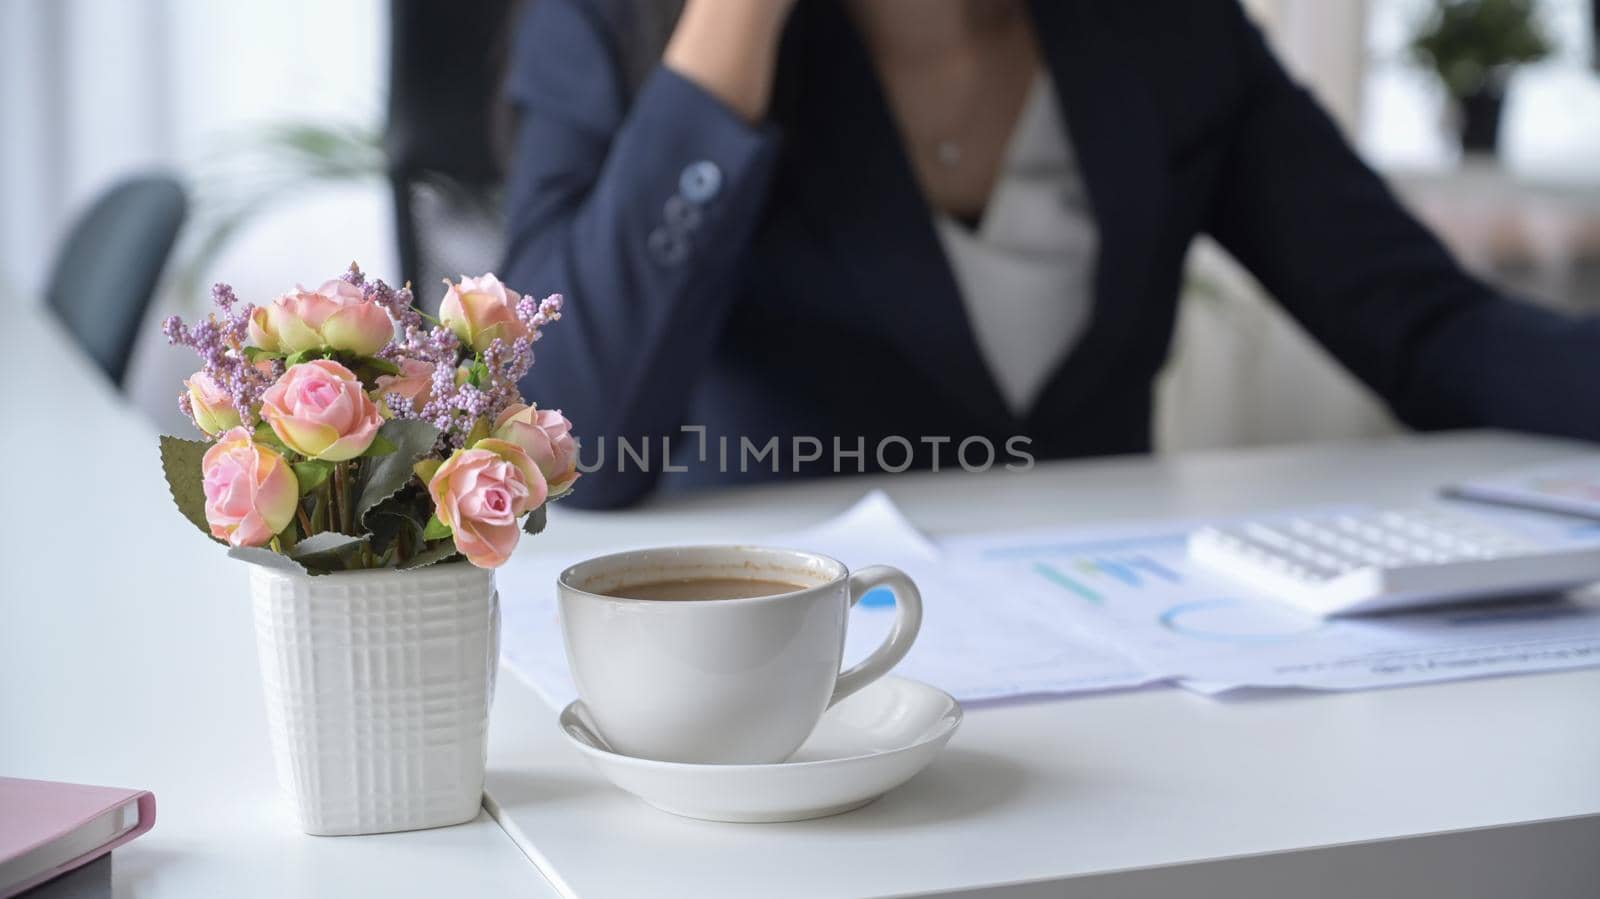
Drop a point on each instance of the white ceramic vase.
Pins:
(378, 686)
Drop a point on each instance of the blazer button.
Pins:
(680, 213)
(669, 246)
(700, 181)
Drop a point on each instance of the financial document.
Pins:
(974, 644)
(1133, 588)
(1081, 610)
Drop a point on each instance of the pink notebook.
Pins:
(49, 828)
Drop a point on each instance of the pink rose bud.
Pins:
(481, 492)
(260, 333)
(335, 316)
(414, 382)
(319, 410)
(546, 436)
(211, 406)
(481, 309)
(251, 492)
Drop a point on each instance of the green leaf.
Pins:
(257, 354)
(180, 460)
(381, 446)
(480, 430)
(388, 474)
(319, 352)
(426, 469)
(440, 552)
(436, 529)
(369, 368)
(311, 473)
(535, 521)
(327, 551)
(289, 536)
(388, 521)
(266, 558)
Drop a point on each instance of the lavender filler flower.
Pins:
(219, 341)
(468, 388)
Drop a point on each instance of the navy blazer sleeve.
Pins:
(636, 209)
(1321, 231)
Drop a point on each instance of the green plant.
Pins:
(253, 172)
(1470, 43)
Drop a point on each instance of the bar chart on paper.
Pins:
(1212, 614)
(1133, 588)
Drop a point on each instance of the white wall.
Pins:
(91, 90)
(1551, 128)
(1242, 372)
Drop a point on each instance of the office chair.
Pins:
(446, 138)
(106, 271)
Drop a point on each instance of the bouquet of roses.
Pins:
(345, 429)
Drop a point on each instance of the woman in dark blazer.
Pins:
(741, 203)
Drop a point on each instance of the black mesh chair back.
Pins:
(108, 267)
(446, 137)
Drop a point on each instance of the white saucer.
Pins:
(862, 748)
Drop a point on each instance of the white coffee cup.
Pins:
(721, 681)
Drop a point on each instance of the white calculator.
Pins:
(1374, 561)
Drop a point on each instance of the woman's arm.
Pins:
(637, 209)
(1323, 233)
(730, 48)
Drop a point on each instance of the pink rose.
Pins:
(481, 309)
(319, 410)
(251, 492)
(546, 436)
(211, 406)
(335, 316)
(414, 382)
(481, 492)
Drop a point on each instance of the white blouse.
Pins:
(1026, 272)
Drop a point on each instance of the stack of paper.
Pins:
(974, 643)
(1080, 610)
(1134, 589)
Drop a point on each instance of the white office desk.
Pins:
(127, 658)
(1476, 788)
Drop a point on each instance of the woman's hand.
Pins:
(730, 48)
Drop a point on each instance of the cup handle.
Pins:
(907, 621)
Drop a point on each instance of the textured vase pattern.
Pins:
(378, 685)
